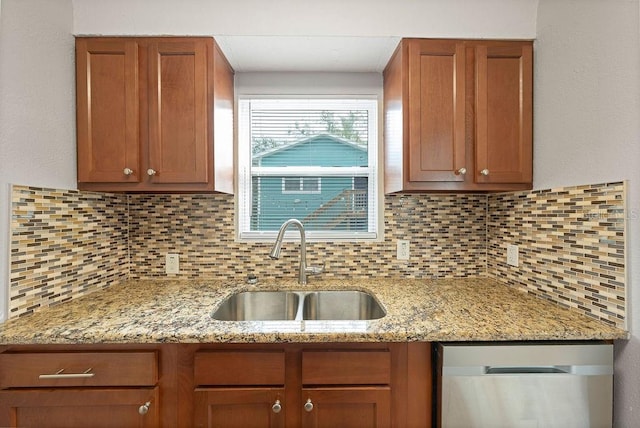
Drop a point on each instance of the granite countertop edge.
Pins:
(178, 311)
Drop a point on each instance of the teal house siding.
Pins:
(321, 203)
(322, 150)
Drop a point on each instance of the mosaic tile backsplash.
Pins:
(571, 242)
(447, 234)
(64, 244)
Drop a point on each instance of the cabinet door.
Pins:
(436, 110)
(107, 115)
(239, 407)
(346, 407)
(180, 147)
(60, 408)
(504, 80)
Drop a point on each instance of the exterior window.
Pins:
(310, 159)
(300, 184)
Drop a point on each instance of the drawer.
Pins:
(346, 367)
(46, 369)
(239, 368)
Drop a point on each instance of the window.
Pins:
(300, 184)
(310, 159)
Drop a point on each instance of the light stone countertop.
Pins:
(178, 311)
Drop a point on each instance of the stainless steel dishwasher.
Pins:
(525, 386)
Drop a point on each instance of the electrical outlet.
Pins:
(403, 249)
(512, 255)
(172, 263)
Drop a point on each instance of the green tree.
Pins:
(302, 130)
(262, 144)
(345, 126)
(329, 120)
(350, 127)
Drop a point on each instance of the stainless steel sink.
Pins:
(258, 306)
(341, 305)
(299, 305)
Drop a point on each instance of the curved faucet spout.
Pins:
(277, 247)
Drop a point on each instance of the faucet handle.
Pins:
(314, 270)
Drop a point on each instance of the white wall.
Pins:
(587, 130)
(37, 105)
(308, 83)
(435, 18)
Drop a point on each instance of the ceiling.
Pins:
(307, 53)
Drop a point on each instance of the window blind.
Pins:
(310, 159)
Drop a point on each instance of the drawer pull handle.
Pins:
(60, 375)
(277, 407)
(144, 409)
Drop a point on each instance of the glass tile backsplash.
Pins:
(65, 244)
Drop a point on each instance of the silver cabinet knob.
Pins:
(127, 171)
(308, 406)
(151, 172)
(144, 409)
(461, 171)
(277, 407)
(484, 172)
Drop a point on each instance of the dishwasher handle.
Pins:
(527, 370)
(524, 370)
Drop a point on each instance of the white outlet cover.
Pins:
(403, 249)
(512, 255)
(172, 264)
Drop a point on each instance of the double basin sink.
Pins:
(299, 305)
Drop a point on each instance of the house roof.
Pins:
(330, 137)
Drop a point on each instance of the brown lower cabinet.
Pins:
(347, 407)
(216, 385)
(239, 407)
(79, 408)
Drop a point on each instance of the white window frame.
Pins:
(245, 172)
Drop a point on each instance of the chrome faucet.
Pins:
(277, 246)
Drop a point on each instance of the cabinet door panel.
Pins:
(179, 146)
(107, 100)
(436, 110)
(504, 114)
(227, 368)
(239, 407)
(47, 408)
(372, 367)
(347, 407)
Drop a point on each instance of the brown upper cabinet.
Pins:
(458, 116)
(154, 114)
